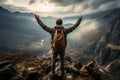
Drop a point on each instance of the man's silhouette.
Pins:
(57, 49)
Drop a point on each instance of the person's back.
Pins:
(58, 40)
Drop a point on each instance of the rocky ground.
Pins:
(40, 69)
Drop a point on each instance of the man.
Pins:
(58, 40)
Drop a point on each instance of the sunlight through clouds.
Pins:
(41, 7)
(57, 8)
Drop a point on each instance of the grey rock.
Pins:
(6, 70)
(114, 68)
(108, 55)
(32, 76)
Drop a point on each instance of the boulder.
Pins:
(114, 68)
(32, 76)
(6, 70)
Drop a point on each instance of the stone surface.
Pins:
(108, 49)
(6, 70)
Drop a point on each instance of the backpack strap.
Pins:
(61, 27)
(55, 29)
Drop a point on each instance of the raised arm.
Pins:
(46, 28)
(70, 29)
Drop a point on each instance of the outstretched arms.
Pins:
(74, 26)
(46, 28)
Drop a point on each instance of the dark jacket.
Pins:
(52, 30)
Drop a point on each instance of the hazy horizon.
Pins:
(57, 8)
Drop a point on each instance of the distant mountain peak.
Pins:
(1, 7)
(3, 10)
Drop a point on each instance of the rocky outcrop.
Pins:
(40, 69)
(114, 67)
(6, 70)
(108, 48)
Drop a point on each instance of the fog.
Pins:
(86, 26)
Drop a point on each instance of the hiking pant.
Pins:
(54, 58)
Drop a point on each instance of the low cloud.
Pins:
(85, 27)
(36, 45)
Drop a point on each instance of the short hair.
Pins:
(59, 21)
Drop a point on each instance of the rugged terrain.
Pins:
(40, 69)
(108, 48)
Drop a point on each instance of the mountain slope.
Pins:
(108, 48)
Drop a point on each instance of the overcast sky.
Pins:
(59, 8)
